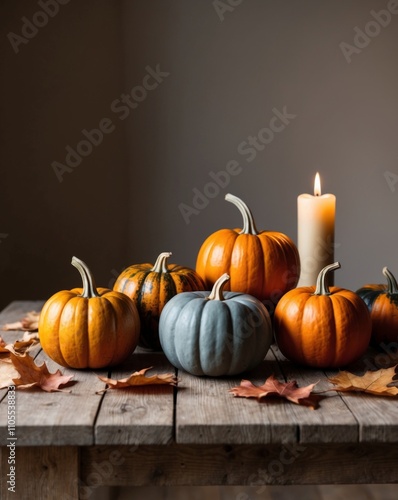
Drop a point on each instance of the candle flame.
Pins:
(317, 185)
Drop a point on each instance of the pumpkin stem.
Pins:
(161, 263)
(392, 282)
(89, 287)
(216, 293)
(322, 288)
(249, 226)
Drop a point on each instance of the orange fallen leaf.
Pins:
(139, 379)
(28, 323)
(272, 387)
(32, 375)
(372, 382)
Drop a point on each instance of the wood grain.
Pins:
(208, 413)
(377, 416)
(333, 422)
(15, 312)
(56, 418)
(52, 418)
(42, 473)
(251, 465)
(328, 492)
(142, 415)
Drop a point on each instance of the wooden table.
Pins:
(198, 434)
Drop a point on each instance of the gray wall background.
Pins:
(121, 204)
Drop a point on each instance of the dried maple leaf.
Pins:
(139, 379)
(29, 323)
(272, 387)
(33, 375)
(371, 382)
(7, 373)
(19, 347)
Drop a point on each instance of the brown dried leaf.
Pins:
(139, 379)
(17, 325)
(30, 335)
(19, 347)
(33, 375)
(272, 387)
(3, 346)
(372, 382)
(29, 323)
(7, 373)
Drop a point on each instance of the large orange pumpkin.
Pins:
(382, 302)
(321, 327)
(88, 327)
(264, 264)
(151, 287)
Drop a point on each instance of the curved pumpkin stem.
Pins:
(249, 226)
(89, 287)
(216, 293)
(161, 263)
(322, 288)
(392, 282)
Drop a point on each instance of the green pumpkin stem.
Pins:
(322, 288)
(161, 263)
(249, 226)
(89, 287)
(216, 292)
(392, 282)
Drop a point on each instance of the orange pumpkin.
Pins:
(151, 287)
(322, 327)
(264, 264)
(382, 302)
(88, 327)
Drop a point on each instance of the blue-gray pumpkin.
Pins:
(215, 333)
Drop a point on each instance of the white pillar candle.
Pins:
(315, 224)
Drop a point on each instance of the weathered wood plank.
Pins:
(142, 415)
(377, 416)
(373, 492)
(369, 418)
(329, 492)
(207, 413)
(213, 493)
(14, 312)
(51, 418)
(286, 493)
(251, 465)
(42, 472)
(56, 418)
(17, 309)
(332, 422)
